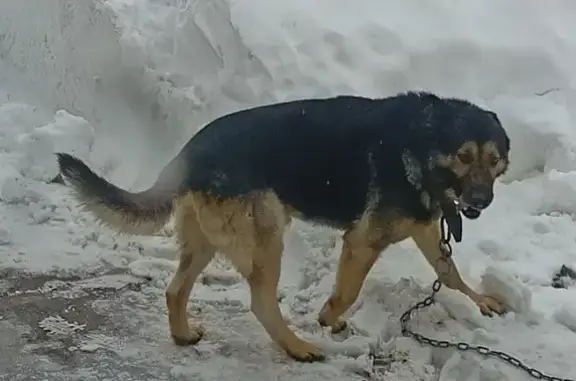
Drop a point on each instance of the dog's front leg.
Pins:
(427, 238)
(359, 253)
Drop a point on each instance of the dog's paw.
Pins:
(328, 318)
(339, 326)
(488, 305)
(194, 336)
(305, 352)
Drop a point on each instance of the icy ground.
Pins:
(123, 84)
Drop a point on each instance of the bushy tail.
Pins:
(132, 213)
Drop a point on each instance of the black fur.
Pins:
(321, 156)
(329, 158)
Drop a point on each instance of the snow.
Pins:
(124, 83)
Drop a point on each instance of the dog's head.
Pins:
(472, 152)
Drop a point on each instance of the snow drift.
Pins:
(148, 74)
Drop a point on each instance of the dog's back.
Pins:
(314, 154)
(320, 157)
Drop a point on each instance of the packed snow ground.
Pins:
(124, 83)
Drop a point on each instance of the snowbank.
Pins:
(234, 54)
(145, 89)
(148, 74)
(522, 70)
(74, 58)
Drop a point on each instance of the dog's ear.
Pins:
(494, 116)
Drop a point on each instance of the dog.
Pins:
(380, 170)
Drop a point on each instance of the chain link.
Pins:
(446, 249)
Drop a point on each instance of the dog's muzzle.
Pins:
(471, 213)
(475, 200)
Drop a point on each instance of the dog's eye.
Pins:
(466, 158)
(494, 161)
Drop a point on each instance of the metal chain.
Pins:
(446, 249)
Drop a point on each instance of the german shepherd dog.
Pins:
(380, 170)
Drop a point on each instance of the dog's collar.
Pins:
(453, 218)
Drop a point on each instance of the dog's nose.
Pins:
(480, 199)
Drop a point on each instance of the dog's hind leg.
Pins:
(427, 238)
(195, 254)
(250, 232)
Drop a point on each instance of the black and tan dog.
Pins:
(381, 170)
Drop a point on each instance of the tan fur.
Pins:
(427, 238)
(249, 231)
(195, 254)
(361, 249)
(491, 159)
(119, 220)
(477, 163)
(474, 164)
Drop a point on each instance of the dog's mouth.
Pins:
(469, 212)
(452, 204)
(452, 208)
